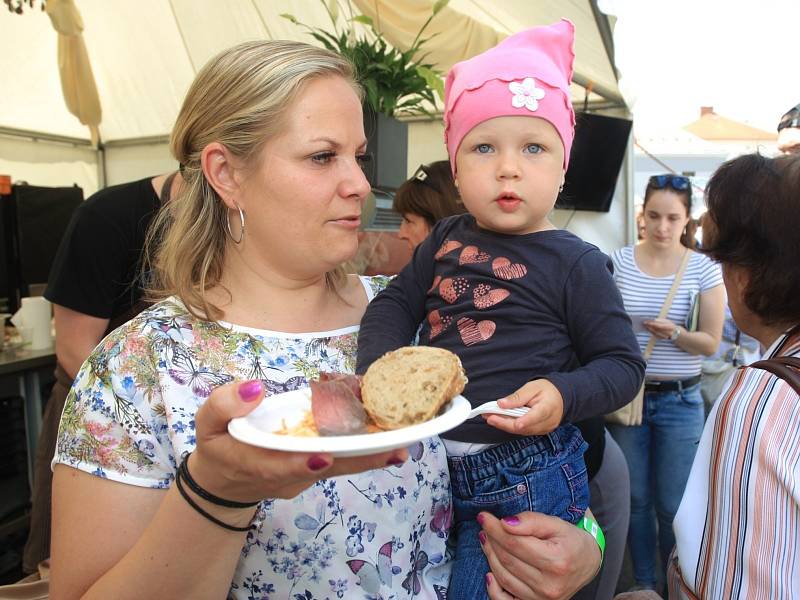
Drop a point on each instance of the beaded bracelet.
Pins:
(205, 494)
(199, 509)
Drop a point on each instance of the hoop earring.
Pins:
(228, 224)
(561, 188)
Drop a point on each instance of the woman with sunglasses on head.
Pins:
(660, 450)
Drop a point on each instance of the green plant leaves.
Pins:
(439, 5)
(393, 80)
(363, 19)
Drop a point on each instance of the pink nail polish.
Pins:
(482, 537)
(394, 461)
(488, 579)
(250, 390)
(480, 519)
(512, 520)
(317, 463)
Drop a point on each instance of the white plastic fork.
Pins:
(493, 408)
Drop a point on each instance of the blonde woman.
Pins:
(152, 497)
(660, 450)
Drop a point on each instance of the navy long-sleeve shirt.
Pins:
(514, 308)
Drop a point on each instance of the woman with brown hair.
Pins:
(736, 530)
(660, 450)
(428, 196)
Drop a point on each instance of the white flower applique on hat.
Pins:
(526, 94)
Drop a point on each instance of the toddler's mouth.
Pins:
(508, 201)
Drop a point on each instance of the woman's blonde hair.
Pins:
(238, 99)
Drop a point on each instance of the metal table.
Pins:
(26, 364)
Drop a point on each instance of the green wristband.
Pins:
(592, 528)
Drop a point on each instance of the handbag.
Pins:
(693, 317)
(631, 413)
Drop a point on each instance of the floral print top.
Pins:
(129, 417)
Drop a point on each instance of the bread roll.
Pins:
(410, 385)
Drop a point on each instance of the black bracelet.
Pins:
(208, 516)
(205, 494)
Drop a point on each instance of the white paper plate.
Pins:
(257, 428)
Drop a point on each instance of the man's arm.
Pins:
(76, 336)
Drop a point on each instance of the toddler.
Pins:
(532, 311)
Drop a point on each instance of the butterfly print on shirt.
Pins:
(199, 379)
(291, 384)
(371, 576)
(411, 583)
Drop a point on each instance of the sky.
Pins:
(742, 57)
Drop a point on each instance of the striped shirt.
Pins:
(737, 529)
(644, 295)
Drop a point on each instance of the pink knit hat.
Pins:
(527, 74)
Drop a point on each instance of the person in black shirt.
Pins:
(94, 286)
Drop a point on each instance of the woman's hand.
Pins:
(534, 556)
(236, 471)
(661, 328)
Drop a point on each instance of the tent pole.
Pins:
(631, 227)
(40, 136)
(101, 166)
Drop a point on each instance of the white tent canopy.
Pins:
(145, 53)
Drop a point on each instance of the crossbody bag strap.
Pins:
(785, 367)
(676, 283)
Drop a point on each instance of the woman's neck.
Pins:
(766, 334)
(275, 300)
(658, 261)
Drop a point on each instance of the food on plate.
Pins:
(404, 387)
(410, 385)
(336, 404)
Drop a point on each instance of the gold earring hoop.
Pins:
(228, 224)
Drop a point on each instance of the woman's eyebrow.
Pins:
(327, 140)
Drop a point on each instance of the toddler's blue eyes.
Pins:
(533, 148)
(483, 148)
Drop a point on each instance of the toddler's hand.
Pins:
(545, 414)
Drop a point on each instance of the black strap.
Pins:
(202, 512)
(785, 367)
(736, 347)
(183, 470)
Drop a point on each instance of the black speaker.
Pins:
(597, 153)
(33, 221)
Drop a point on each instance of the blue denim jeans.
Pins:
(543, 473)
(659, 452)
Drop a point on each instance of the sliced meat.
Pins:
(336, 404)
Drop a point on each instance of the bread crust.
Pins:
(410, 385)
